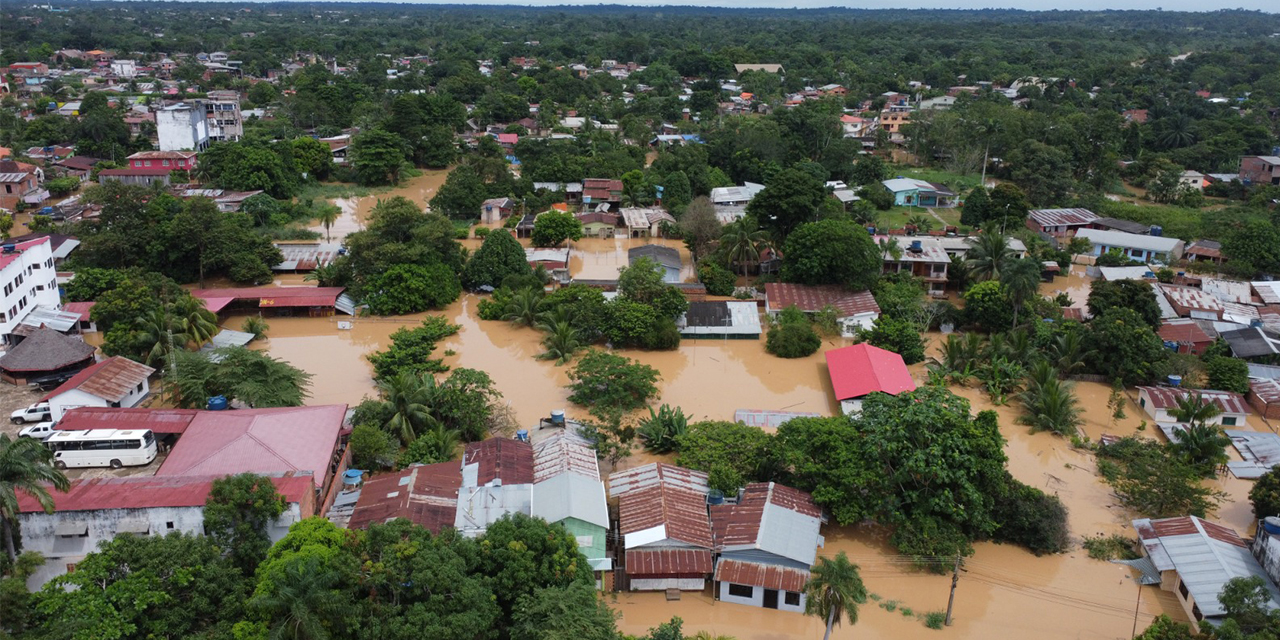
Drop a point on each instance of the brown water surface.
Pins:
(355, 211)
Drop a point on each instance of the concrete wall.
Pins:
(757, 598)
(39, 259)
(60, 404)
(1163, 415)
(662, 584)
(182, 129)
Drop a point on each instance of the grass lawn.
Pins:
(896, 217)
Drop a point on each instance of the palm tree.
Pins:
(866, 216)
(24, 465)
(305, 600)
(325, 275)
(834, 591)
(163, 332)
(562, 342)
(1050, 405)
(1021, 280)
(327, 216)
(989, 256)
(1067, 352)
(921, 222)
(1176, 131)
(889, 248)
(443, 443)
(195, 321)
(522, 308)
(409, 397)
(1194, 409)
(1203, 445)
(744, 245)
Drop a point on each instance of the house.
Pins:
(766, 544)
(524, 228)
(20, 183)
(497, 479)
(909, 192)
(316, 301)
(223, 119)
(599, 224)
(124, 68)
(768, 420)
(892, 120)
(78, 166)
(859, 370)
(1059, 223)
(1264, 397)
(426, 495)
(114, 382)
(277, 440)
(45, 354)
(1192, 302)
(1204, 251)
(29, 281)
(1252, 343)
(737, 319)
(735, 196)
(1144, 248)
(598, 190)
(170, 160)
(1184, 335)
(567, 490)
(96, 510)
(665, 529)
(853, 126)
(82, 309)
(1260, 170)
(667, 258)
(1161, 402)
(854, 309)
(1193, 558)
(494, 210)
(1192, 180)
(132, 175)
(924, 258)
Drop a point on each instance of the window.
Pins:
(741, 591)
(1182, 588)
(792, 599)
(169, 525)
(166, 163)
(1229, 421)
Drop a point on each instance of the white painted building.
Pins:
(1161, 402)
(115, 382)
(28, 280)
(182, 127)
(94, 511)
(124, 68)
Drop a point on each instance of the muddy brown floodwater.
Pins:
(355, 211)
(1005, 592)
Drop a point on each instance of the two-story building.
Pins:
(222, 116)
(20, 182)
(923, 258)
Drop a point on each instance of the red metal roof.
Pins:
(111, 379)
(7, 258)
(1268, 391)
(769, 576)
(299, 301)
(1167, 397)
(258, 441)
(665, 495)
(501, 458)
(1184, 525)
(82, 308)
(157, 420)
(1183, 331)
(330, 294)
(426, 495)
(143, 492)
(668, 562)
(780, 295)
(860, 369)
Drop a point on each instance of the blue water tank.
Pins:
(1175, 381)
(1271, 524)
(916, 246)
(217, 403)
(1171, 345)
(522, 435)
(46, 211)
(1157, 230)
(715, 496)
(352, 477)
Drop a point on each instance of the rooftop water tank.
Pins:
(557, 417)
(522, 435)
(217, 403)
(1175, 381)
(352, 477)
(715, 496)
(1271, 524)
(1157, 230)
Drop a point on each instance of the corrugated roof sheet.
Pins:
(564, 453)
(1062, 217)
(146, 492)
(1183, 331)
(258, 441)
(1191, 298)
(665, 256)
(426, 495)
(1167, 398)
(272, 293)
(1205, 555)
(668, 562)
(111, 379)
(662, 496)
(860, 369)
(500, 458)
(1259, 450)
(1251, 342)
(755, 574)
(1160, 244)
(772, 518)
(780, 295)
(157, 420)
(768, 419)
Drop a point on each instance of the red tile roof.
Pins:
(663, 495)
(769, 576)
(143, 492)
(1267, 390)
(258, 441)
(779, 296)
(1167, 398)
(111, 379)
(426, 495)
(668, 562)
(860, 369)
(601, 188)
(157, 420)
(501, 458)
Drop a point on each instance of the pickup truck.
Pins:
(38, 412)
(40, 431)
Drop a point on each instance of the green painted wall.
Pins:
(578, 528)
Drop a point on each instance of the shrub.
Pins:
(1265, 495)
(1155, 480)
(1227, 374)
(482, 232)
(411, 288)
(1031, 518)
(256, 325)
(935, 620)
(718, 280)
(897, 335)
(793, 340)
(661, 429)
(371, 448)
(731, 453)
(604, 381)
(1112, 547)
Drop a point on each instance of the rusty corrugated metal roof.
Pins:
(147, 492)
(426, 495)
(111, 379)
(769, 576)
(663, 495)
(157, 420)
(500, 458)
(668, 562)
(1167, 398)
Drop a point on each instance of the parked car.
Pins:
(40, 431)
(38, 412)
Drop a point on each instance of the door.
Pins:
(771, 598)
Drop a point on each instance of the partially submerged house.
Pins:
(666, 532)
(860, 370)
(45, 355)
(1185, 335)
(767, 542)
(567, 490)
(736, 319)
(426, 495)
(1161, 402)
(1193, 559)
(667, 259)
(1143, 248)
(1059, 223)
(854, 309)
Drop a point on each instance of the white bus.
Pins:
(113, 448)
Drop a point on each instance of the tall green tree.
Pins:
(236, 516)
(835, 252)
(377, 156)
(25, 465)
(789, 200)
(834, 592)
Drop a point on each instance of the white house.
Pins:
(1192, 179)
(115, 382)
(1142, 248)
(96, 510)
(1161, 402)
(29, 281)
(124, 68)
(767, 542)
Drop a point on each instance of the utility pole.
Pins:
(1134, 633)
(955, 578)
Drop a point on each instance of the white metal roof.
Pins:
(1205, 564)
(1128, 240)
(570, 495)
